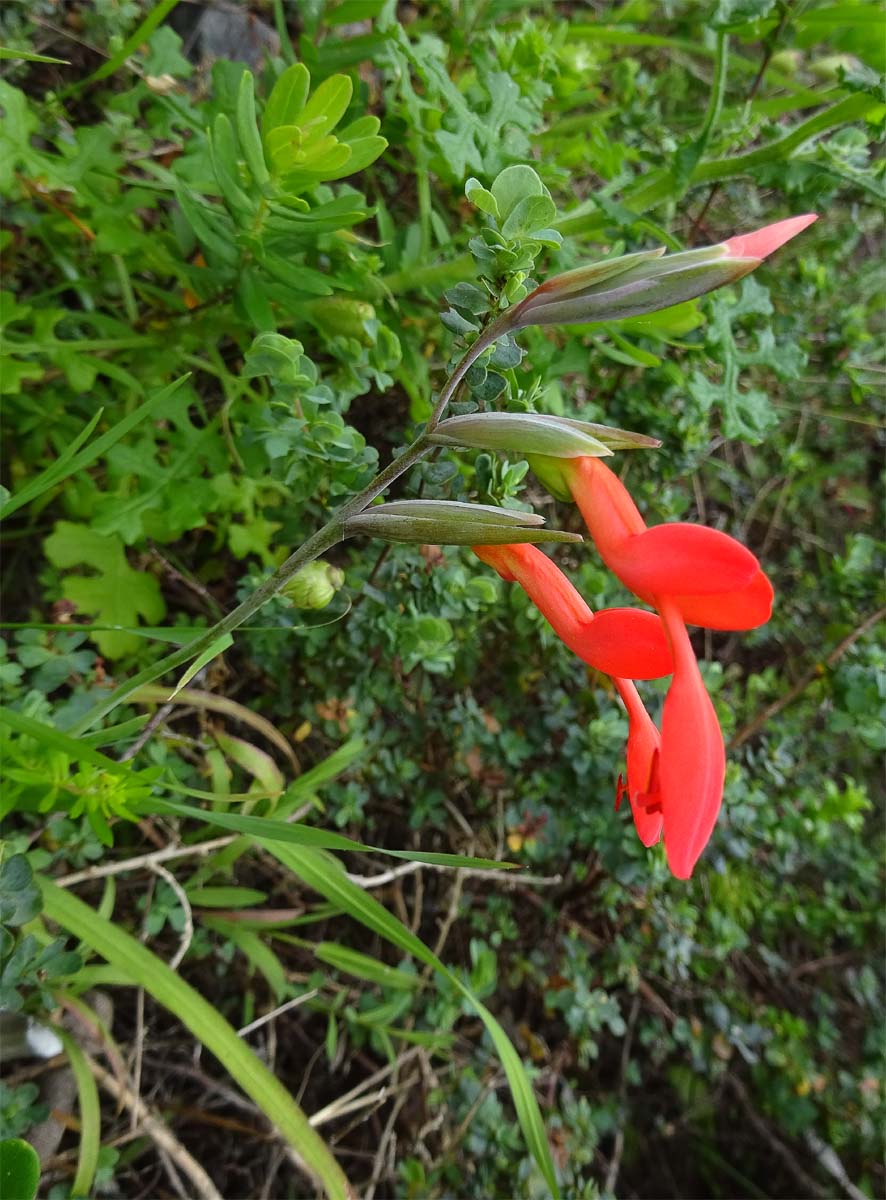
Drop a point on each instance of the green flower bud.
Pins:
(537, 433)
(441, 522)
(314, 585)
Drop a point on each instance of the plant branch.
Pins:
(330, 534)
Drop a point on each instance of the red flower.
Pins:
(690, 574)
(625, 643)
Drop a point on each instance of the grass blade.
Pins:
(142, 33)
(90, 1116)
(322, 873)
(145, 969)
(69, 462)
(322, 839)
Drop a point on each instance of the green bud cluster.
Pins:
(314, 586)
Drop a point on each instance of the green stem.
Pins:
(656, 186)
(331, 533)
(718, 90)
(286, 48)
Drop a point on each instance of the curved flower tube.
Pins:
(713, 580)
(690, 574)
(625, 643)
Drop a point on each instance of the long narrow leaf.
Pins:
(307, 835)
(90, 1117)
(122, 950)
(321, 872)
(132, 43)
(69, 462)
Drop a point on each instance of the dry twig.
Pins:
(167, 1143)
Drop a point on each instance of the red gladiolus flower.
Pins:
(625, 643)
(690, 574)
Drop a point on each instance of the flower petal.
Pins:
(545, 585)
(683, 560)
(745, 608)
(763, 242)
(626, 642)
(619, 641)
(605, 503)
(644, 746)
(693, 758)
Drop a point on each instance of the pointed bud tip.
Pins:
(763, 242)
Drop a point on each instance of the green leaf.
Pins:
(247, 130)
(307, 835)
(361, 966)
(19, 1170)
(116, 594)
(146, 970)
(28, 56)
(322, 873)
(19, 895)
(481, 198)
(48, 735)
(261, 957)
(90, 1116)
(252, 294)
(223, 152)
(363, 151)
(514, 184)
(226, 897)
(212, 227)
(287, 99)
(69, 462)
(218, 647)
(141, 35)
(327, 106)
(528, 214)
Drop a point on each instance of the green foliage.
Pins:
(19, 1169)
(229, 295)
